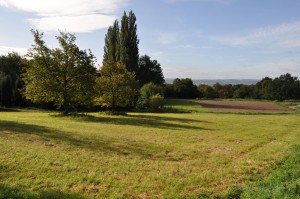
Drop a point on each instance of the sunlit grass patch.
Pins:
(163, 155)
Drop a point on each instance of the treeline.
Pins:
(284, 87)
(10, 80)
(66, 78)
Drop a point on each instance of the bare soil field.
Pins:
(241, 106)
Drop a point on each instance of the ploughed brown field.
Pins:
(241, 106)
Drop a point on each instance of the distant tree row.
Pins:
(284, 87)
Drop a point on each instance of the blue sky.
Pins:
(199, 39)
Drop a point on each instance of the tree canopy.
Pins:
(10, 80)
(64, 75)
(115, 87)
(112, 44)
(185, 88)
(149, 71)
(121, 43)
(129, 49)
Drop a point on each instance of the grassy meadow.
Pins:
(190, 153)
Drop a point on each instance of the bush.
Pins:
(147, 91)
(156, 102)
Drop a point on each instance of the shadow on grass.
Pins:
(160, 122)
(20, 193)
(108, 145)
(3, 109)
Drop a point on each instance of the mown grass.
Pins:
(293, 104)
(183, 106)
(283, 182)
(139, 155)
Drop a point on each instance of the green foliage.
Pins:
(169, 91)
(223, 91)
(129, 50)
(11, 64)
(115, 86)
(244, 91)
(265, 88)
(208, 91)
(182, 88)
(1, 75)
(112, 44)
(10, 82)
(147, 91)
(185, 88)
(286, 87)
(156, 102)
(64, 75)
(149, 71)
(121, 45)
(6, 90)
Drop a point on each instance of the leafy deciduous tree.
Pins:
(6, 90)
(207, 91)
(115, 86)
(185, 88)
(286, 87)
(10, 82)
(64, 75)
(149, 71)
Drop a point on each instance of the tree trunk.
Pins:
(113, 104)
(66, 109)
(65, 104)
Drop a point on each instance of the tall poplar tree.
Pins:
(112, 44)
(129, 50)
(121, 43)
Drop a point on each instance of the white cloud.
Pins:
(281, 36)
(87, 23)
(70, 15)
(4, 50)
(3, 3)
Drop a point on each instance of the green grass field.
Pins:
(149, 155)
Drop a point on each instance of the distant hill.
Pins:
(220, 81)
